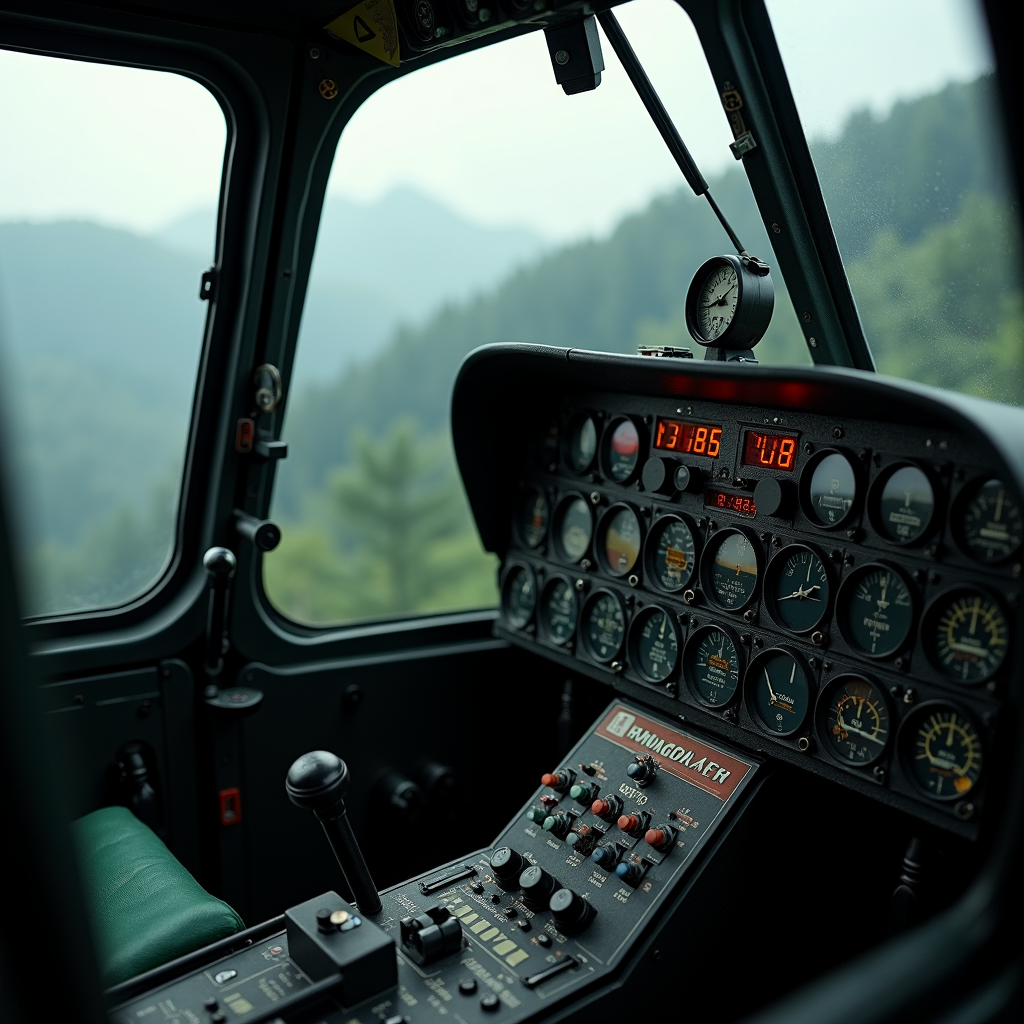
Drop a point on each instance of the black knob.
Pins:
(265, 534)
(643, 771)
(774, 497)
(537, 886)
(659, 475)
(220, 565)
(318, 781)
(572, 913)
(507, 866)
(686, 479)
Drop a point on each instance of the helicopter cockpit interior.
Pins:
(513, 511)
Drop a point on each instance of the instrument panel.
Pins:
(833, 591)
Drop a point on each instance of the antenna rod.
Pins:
(661, 119)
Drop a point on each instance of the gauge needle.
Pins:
(720, 301)
(857, 732)
(771, 692)
(800, 592)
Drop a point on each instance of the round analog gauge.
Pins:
(533, 517)
(619, 540)
(797, 588)
(717, 298)
(558, 611)
(831, 489)
(731, 570)
(622, 450)
(604, 626)
(581, 443)
(905, 505)
(991, 524)
(654, 644)
(671, 554)
(965, 635)
(853, 719)
(712, 665)
(519, 596)
(876, 610)
(574, 527)
(778, 691)
(941, 750)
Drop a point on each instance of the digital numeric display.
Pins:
(769, 451)
(731, 502)
(688, 438)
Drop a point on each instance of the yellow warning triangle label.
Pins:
(372, 26)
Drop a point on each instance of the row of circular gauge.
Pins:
(902, 504)
(939, 744)
(965, 633)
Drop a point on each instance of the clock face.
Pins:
(716, 302)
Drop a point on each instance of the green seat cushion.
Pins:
(145, 907)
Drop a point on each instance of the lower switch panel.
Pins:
(547, 911)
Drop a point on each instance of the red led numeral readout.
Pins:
(689, 438)
(741, 503)
(770, 450)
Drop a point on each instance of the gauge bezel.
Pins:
(581, 623)
(555, 528)
(874, 503)
(821, 719)
(750, 679)
(692, 643)
(859, 481)
(600, 531)
(775, 566)
(904, 753)
(542, 628)
(967, 494)
(651, 541)
(569, 435)
(604, 447)
(707, 559)
(632, 639)
(510, 568)
(524, 492)
(935, 607)
(843, 599)
(755, 303)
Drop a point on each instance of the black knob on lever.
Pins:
(318, 781)
(220, 565)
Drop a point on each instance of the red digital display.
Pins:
(743, 504)
(772, 451)
(688, 438)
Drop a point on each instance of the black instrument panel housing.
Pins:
(536, 392)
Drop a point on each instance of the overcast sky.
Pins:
(489, 134)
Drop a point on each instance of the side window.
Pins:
(474, 202)
(109, 182)
(902, 116)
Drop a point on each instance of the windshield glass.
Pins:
(531, 216)
(109, 182)
(901, 113)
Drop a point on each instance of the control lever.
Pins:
(318, 781)
(220, 565)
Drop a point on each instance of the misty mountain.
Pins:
(379, 265)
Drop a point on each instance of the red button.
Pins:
(655, 837)
(547, 779)
(628, 822)
(600, 807)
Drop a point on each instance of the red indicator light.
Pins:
(772, 451)
(230, 806)
(742, 504)
(688, 438)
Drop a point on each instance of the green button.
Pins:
(549, 823)
(536, 814)
(577, 791)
